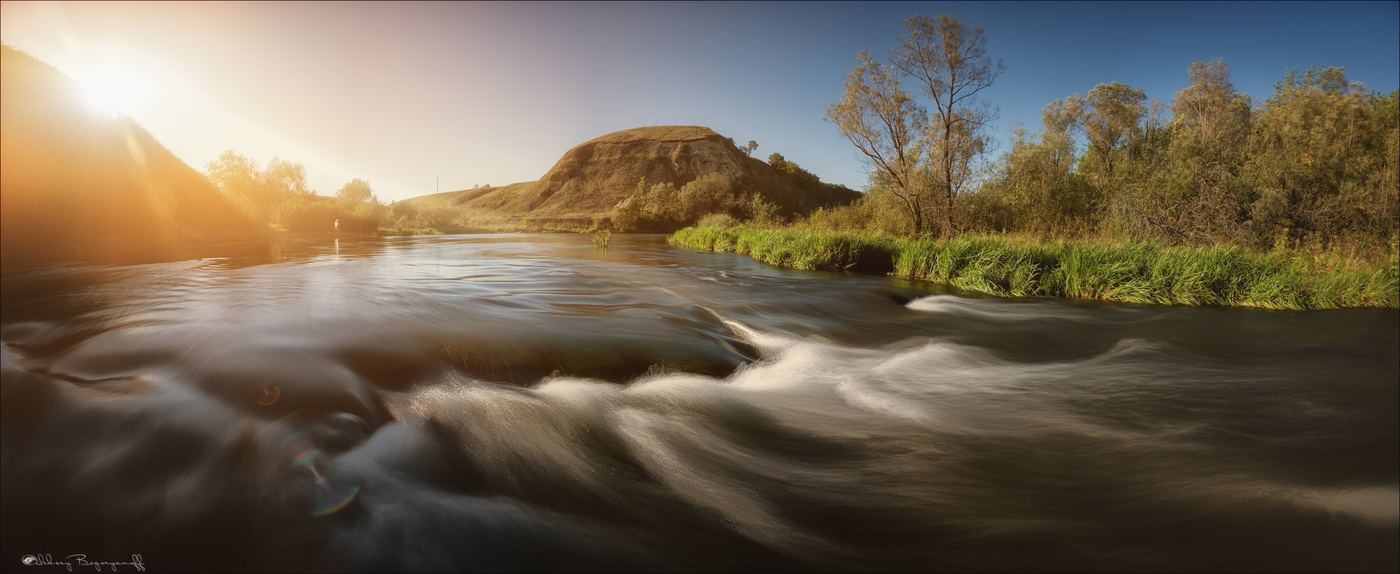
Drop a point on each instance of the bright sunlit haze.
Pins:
(418, 98)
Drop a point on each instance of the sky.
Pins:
(418, 98)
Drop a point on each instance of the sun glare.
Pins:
(118, 81)
(112, 93)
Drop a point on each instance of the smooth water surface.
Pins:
(521, 402)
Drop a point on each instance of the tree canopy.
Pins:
(918, 152)
(1313, 165)
(356, 191)
(278, 195)
(883, 122)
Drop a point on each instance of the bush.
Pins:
(437, 216)
(710, 193)
(405, 210)
(720, 220)
(763, 213)
(662, 207)
(365, 217)
(306, 214)
(315, 214)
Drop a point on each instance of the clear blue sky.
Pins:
(399, 94)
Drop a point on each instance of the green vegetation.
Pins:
(1213, 199)
(278, 196)
(1137, 272)
(1312, 169)
(922, 160)
(314, 213)
(663, 208)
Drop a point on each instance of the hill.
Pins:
(82, 184)
(594, 177)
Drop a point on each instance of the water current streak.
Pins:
(530, 402)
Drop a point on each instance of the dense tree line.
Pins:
(1312, 167)
(278, 195)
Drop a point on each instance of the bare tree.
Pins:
(951, 64)
(883, 122)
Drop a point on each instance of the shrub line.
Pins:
(1134, 272)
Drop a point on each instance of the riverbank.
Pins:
(1019, 267)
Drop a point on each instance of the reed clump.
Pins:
(1136, 272)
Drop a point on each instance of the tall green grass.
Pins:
(1130, 272)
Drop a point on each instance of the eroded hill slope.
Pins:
(593, 177)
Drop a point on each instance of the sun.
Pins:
(109, 91)
(120, 81)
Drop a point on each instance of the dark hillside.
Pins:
(82, 184)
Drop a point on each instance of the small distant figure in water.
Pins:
(337, 225)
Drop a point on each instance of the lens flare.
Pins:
(308, 457)
(270, 395)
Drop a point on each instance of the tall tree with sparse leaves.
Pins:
(884, 123)
(950, 62)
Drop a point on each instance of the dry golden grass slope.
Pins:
(594, 176)
(82, 184)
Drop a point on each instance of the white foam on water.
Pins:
(1003, 311)
(768, 344)
(658, 443)
(1377, 504)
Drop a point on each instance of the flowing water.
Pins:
(522, 402)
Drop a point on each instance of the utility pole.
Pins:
(437, 185)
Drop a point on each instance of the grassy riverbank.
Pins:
(1129, 272)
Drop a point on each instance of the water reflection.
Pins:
(521, 402)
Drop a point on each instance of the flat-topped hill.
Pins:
(658, 133)
(595, 176)
(80, 183)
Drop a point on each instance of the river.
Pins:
(523, 402)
